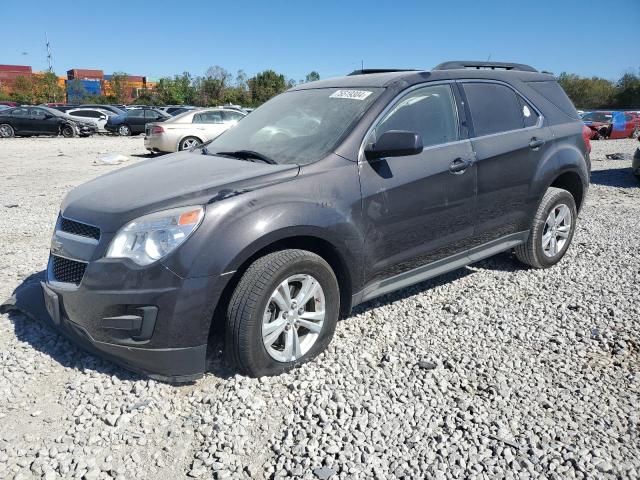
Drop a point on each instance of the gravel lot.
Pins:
(492, 371)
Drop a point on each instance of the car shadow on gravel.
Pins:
(615, 177)
(31, 324)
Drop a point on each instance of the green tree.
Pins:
(47, 89)
(627, 92)
(312, 76)
(120, 87)
(265, 85)
(22, 90)
(587, 93)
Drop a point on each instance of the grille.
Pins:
(68, 271)
(77, 228)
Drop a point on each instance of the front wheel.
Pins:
(124, 130)
(6, 131)
(551, 231)
(67, 131)
(282, 313)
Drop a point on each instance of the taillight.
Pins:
(159, 129)
(586, 134)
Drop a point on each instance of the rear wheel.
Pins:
(67, 131)
(188, 142)
(124, 130)
(282, 313)
(6, 131)
(551, 231)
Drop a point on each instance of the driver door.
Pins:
(416, 209)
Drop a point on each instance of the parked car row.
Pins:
(29, 121)
(605, 124)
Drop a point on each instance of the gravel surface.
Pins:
(492, 371)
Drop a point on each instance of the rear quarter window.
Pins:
(553, 92)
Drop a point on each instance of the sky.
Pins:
(160, 37)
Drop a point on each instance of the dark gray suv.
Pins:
(331, 194)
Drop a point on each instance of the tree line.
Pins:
(219, 87)
(599, 93)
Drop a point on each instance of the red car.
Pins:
(612, 124)
(9, 104)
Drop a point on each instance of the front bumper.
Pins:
(148, 319)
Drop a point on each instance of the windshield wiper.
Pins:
(249, 155)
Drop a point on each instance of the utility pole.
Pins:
(49, 60)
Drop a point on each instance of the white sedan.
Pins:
(189, 129)
(97, 116)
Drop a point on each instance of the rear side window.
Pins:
(135, 113)
(494, 108)
(529, 115)
(19, 112)
(553, 92)
(208, 117)
(429, 111)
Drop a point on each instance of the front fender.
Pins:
(323, 204)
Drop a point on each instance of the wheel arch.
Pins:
(181, 138)
(304, 241)
(571, 182)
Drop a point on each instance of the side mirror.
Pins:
(394, 143)
(103, 117)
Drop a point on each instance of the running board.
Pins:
(439, 267)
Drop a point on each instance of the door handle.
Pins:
(536, 143)
(459, 165)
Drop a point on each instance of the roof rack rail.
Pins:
(463, 64)
(367, 71)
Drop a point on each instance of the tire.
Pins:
(252, 306)
(124, 130)
(188, 142)
(6, 131)
(67, 131)
(538, 252)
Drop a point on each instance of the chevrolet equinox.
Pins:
(328, 195)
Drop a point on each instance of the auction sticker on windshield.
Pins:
(351, 94)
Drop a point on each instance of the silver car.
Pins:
(189, 129)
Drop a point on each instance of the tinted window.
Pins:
(37, 113)
(208, 117)
(231, 116)
(20, 112)
(429, 111)
(553, 92)
(150, 114)
(494, 108)
(529, 115)
(86, 114)
(135, 113)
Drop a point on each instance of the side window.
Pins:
(208, 117)
(137, 113)
(494, 108)
(231, 117)
(430, 111)
(529, 115)
(36, 113)
(81, 113)
(19, 112)
(150, 114)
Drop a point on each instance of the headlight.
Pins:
(149, 238)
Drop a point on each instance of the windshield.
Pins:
(300, 126)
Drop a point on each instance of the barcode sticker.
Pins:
(350, 94)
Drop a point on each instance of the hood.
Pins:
(179, 179)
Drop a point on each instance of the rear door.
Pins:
(210, 124)
(509, 141)
(20, 120)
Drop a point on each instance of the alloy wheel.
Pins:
(293, 318)
(557, 229)
(188, 143)
(6, 131)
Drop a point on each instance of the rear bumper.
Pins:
(159, 143)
